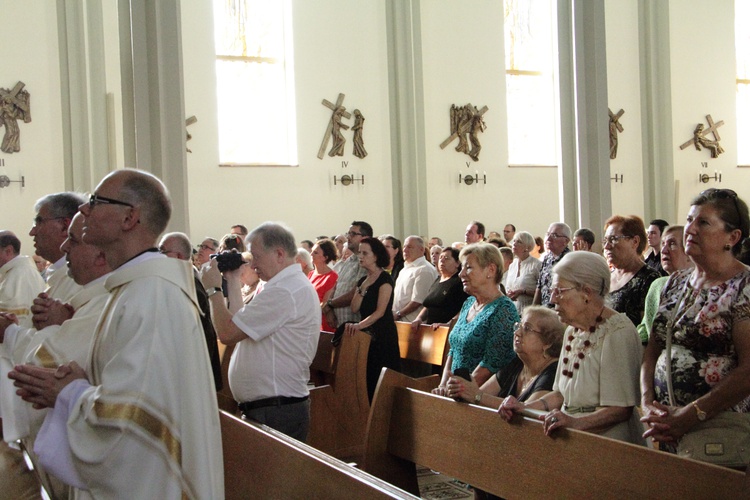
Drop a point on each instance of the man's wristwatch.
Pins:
(329, 303)
(212, 291)
(398, 315)
(702, 415)
(478, 398)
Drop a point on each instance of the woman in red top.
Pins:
(323, 277)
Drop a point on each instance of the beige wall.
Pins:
(341, 46)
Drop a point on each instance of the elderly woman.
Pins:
(523, 272)
(324, 278)
(624, 241)
(446, 295)
(537, 341)
(482, 339)
(706, 309)
(673, 258)
(304, 259)
(596, 384)
(373, 299)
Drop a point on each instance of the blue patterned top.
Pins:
(487, 340)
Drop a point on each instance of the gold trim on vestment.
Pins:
(45, 357)
(24, 311)
(145, 420)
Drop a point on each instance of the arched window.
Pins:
(255, 82)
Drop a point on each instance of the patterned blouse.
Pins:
(486, 340)
(545, 275)
(702, 349)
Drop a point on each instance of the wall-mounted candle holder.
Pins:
(472, 179)
(5, 181)
(346, 180)
(704, 178)
(618, 178)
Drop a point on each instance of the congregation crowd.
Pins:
(111, 349)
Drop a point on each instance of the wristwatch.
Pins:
(702, 415)
(212, 291)
(478, 398)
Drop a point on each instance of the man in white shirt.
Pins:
(53, 215)
(474, 232)
(414, 281)
(276, 333)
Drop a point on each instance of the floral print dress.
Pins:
(702, 349)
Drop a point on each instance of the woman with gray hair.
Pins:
(482, 339)
(596, 384)
(523, 272)
(537, 340)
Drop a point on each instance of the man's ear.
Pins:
(132, 219)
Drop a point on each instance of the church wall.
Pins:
(623, 85)
(30, 54)
(339, 47)
(464, 54)
(704, 82)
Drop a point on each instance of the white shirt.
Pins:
(523, 275)
(282, 324)
(412, 285)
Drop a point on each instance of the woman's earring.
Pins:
(727, 247)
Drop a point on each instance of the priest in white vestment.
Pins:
(142, 420)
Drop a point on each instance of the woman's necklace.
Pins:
(362, 289)
(579, 344)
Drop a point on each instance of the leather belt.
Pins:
(274, 401)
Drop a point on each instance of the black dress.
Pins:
(444, 300)
(384, 343)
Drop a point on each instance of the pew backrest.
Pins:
(262, 463)
(515, 459)
(425, 345)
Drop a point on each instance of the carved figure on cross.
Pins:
(614, 128)
(14, 106)
(466, 121)
(700, 137)
(334, 128)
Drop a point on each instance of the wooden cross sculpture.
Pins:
(700, 137)
(466, 120)
(14, 106)
(614, 128)
(334, 128)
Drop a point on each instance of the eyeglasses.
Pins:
(38, 221)
(524, 328)
(354, 233)
(613, 240)
(559, 291)
(95, 200)
(205, 247)
(555, 236)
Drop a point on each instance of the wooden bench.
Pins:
(262, 463)
(425, 345)
(516, 460)
(339, 409)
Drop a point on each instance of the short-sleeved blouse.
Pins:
(631, 298)
(487, 340)
(607, 375)
(702, 349)
(523, 275)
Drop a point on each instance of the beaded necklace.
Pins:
(579, 343)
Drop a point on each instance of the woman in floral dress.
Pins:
(709, 307)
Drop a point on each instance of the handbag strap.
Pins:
(670, 330)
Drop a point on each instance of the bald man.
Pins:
(145, 407)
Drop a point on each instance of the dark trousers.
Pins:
(292, 420)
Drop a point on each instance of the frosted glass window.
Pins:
(530, 63)
(255, 82)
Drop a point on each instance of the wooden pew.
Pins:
(339, 409)
(262, 463)
(426, 345)
(516, 460)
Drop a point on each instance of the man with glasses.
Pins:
(53, 215)
(176, 245)
(146, 406)
(556, 244)
(349, 273)
(207, 247)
